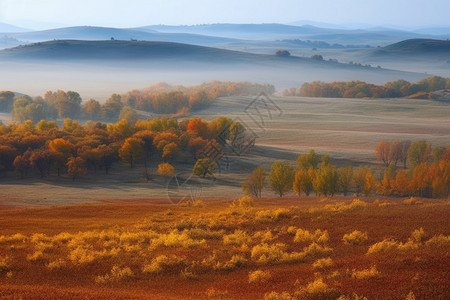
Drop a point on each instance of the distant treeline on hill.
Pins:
(160, 98)
(359, 89)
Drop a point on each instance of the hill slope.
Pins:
(416, 47)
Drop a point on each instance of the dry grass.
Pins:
(295, 249)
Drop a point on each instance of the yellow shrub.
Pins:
(355, 238)
(265, 253)
(352, 297)
(199, 233)
(418, 235)
(303, 236)
(36, 256)
(236, 261)
(314, 289)
(163, 263)
(57, 264)
(366, 273)
(243, 202)
(315, 250)
(323, 263)
(383, 246)
(270, 215)
(259, 276)
(438, 241)
(341, 207)
(278, 296)
(16, 238)
(216, 294)
(4, 264)
(238, 238)
(117, 274)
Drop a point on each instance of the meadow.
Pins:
(273, 248)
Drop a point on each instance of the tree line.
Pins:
(359, 89)
(159, 98)
(428, 174)
(38, 150)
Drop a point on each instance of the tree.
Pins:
(129, 114)
(169, 151)
(418, 153)
(305, 161)
(401, 186)
(281, 177)
(370, 184)
(110, 110)
(345, 175)
(326, 180)
(166, 169)
(386, 186)
(359, 178)
(62, 150)
(204, 167)
(438, 154)
(22, 163)
(254, 182)
(283, 53)
(76, 167)
(421, 180)
(303, 181)
(131, 151)
(91, 110)
(42, 160)
(383, 153)
(6, 101)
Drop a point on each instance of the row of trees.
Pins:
(361, 89)
(425, 177)
(159, 98)
(76, 149)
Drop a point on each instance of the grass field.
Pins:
(310, 248)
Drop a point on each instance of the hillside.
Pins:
(106, 33)
(416, 47)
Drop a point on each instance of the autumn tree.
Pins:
(387, 184)
(62, 149)
(169, 151)
(359, 178)
(131, 150)
(383, 153)
(281, 177)
(110, 110)
(254, 182)
(22, 163)
(91, 109)
(76, 167)
(303, 181)
(166, 169)
(42, 160)
(204, 167)
(128, 113)
(305, 161)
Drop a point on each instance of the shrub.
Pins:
(438, 241)
(366, 273)
(278, 296)
(315, 289)
(418, 235)
(238, 238)
(117, 274)
(265, 253)
(323, 263)
(270, 215)
(315, 250)
(259, 276)
(352, 297)
(243, 202)
(57, 264)
(4, 264)
(383, 246)
(36, 256)
(162, 264)
(16, 238)
(355, 238)
(319, 236)
(216, 294)
(236, 261)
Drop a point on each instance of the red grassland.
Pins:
(209, 248)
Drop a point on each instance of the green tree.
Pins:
(418, 153)
(326, 180)
(254, 182)
(110, 110)
(281, 177)
(305, 161)
(204, 167)
(345, 175)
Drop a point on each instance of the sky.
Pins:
(44, 14)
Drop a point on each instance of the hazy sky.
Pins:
(131, 13)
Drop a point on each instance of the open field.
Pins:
(218, 250)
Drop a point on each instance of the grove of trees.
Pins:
(160, 98)
(36, 150)
(359, 89)
(427, 175)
